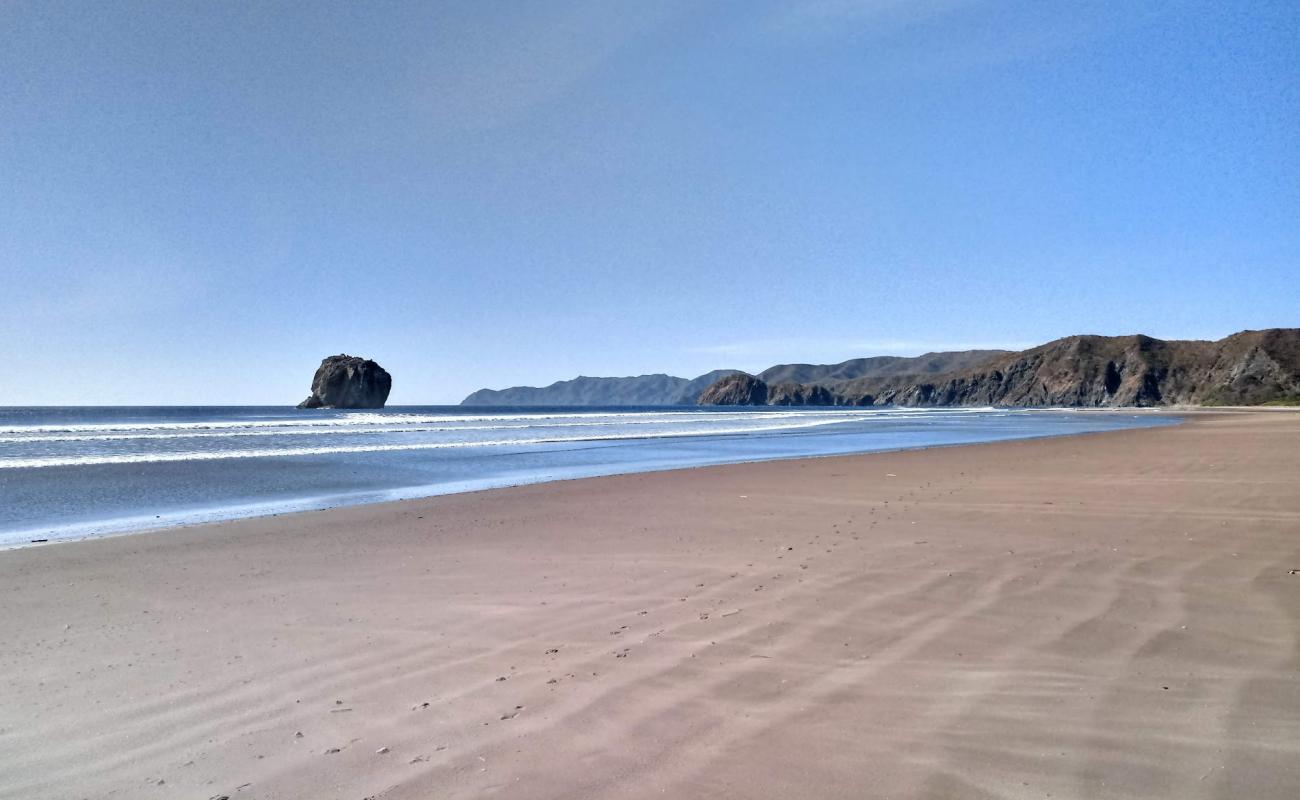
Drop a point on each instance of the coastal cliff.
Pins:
(1246, 368)
(345, 381)
(1078, 371)
(668, 390)
(740, 389)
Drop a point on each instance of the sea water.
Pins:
(77, 472)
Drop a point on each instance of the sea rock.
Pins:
(345, 381)
(739, 389)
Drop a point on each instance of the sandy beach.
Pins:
(1106, 616)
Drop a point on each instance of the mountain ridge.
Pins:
(936, 363)
(634, 390)
(668, 390)
(1085, 370)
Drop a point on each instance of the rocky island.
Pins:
(345, 381)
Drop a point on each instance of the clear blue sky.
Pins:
(198, 201)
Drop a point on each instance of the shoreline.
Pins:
(1086, 616)
(145, 523)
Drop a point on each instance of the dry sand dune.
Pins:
(1107, 616)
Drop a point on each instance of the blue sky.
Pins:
(201, 200)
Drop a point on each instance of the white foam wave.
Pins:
(120, 432)
(343, 421)
(358, 420)
(212, 455)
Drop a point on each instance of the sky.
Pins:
(200, 200)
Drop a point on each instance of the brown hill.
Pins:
(879, 367)
(1246, 368)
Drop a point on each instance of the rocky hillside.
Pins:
(878, 367)
(667, 390)
(800, 394)
(739, 389)
(1246, 368)
(641, 390)
(690, 393)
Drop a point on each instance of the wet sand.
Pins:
(1106, 616)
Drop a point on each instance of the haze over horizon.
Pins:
(202, 201)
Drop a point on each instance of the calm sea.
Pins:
(76, 472)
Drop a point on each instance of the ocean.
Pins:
(69, 473)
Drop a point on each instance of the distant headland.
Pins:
(1246, 368)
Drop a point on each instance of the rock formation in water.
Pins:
(1246, 368)
(345, 381)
